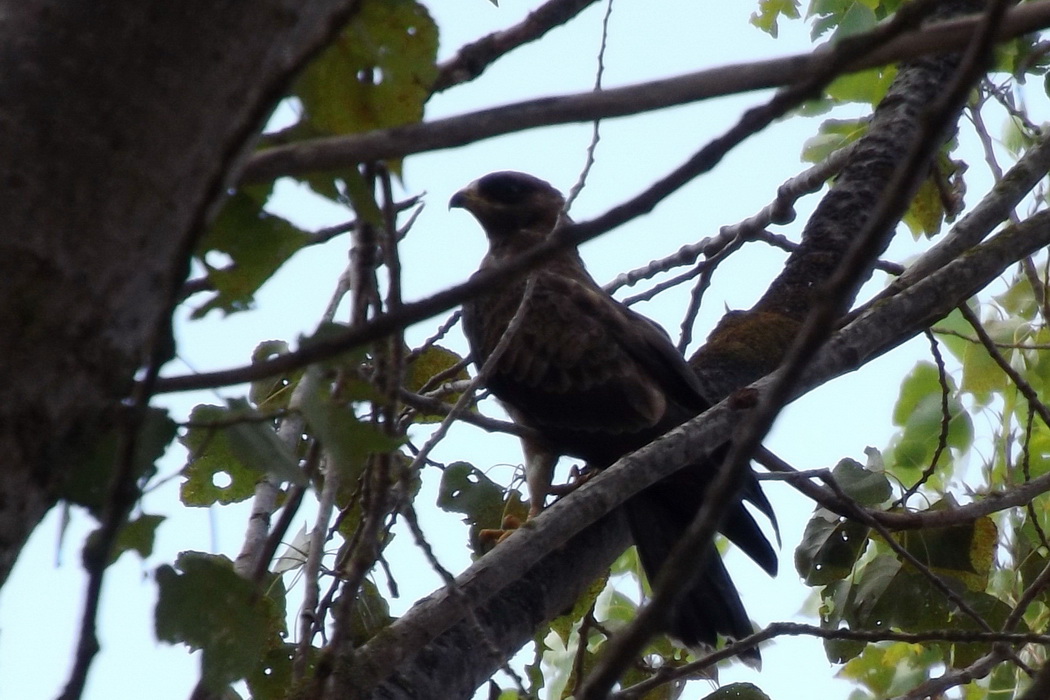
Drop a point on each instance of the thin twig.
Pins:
(946, 418)
(1020, 382)
(596, 134)
(471, 60)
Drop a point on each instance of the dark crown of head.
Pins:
(509, 187)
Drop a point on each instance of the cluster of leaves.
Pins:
(377, 73)
(987, 562)
(235, 447)
(863, 581)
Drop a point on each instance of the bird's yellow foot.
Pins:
(490, 537)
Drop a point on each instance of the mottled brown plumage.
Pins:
(598, 381)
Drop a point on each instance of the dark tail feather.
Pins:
(712, 606)
(743, 531)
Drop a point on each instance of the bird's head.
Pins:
(509, 203)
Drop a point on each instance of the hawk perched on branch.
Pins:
(598, 381)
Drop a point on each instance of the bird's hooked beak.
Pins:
(465, 198)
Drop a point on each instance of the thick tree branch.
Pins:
(517, 583)
(829, 302)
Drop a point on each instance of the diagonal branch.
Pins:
(836, 294)
(472, 59)
(346, 151)
(537, 569)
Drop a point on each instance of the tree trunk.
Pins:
(122, 123)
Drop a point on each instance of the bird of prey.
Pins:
(597, 381)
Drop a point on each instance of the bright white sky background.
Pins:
(41, 605)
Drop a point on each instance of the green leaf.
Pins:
(964, 551)
(370, 614)
(770, 11)
(918, 410)
(926, 213)
(377, 73)
(137, 535)
(832, 134)
(272, 392)
(205, 605)
(867, 487)
(844, 16)
(272, 678)
(256, 241)
(738, 691)
(888, 595)
(430, 363)
(991, 610)
(90, 483)
(467, 490)
(830, 547)
(1016, 137)
(256, 445)
(890, 669)
(347, 440)
(946, 330)
(867, 87)
(227, 458)
(982, 376)
(563, 624)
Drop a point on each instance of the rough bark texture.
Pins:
(120, 124)
(749, 344)
(458, 660)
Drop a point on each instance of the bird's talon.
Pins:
(491, 536)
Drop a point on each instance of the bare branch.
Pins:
(344, 151)
(794, 629)
(471, 60)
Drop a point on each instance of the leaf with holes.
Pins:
(738, 691)
(830, 547)
(257, 244)
(204, 604)
(213, 473)
(376, 73)
(888, 595)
